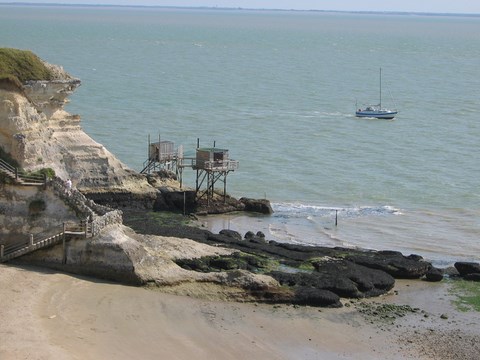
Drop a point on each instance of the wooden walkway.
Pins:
(16, 249)
(21, 177)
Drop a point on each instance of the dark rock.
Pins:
(343, 278)
(465, 268)
(222, 263)
(260, 206)
(231, 233)
(393, 263)
(414, 257)
(434, 274)
(180, 201)
(160, 203)
(255, 238)
(316, 297)
(472, 277)
(121, 200)
(258, 240)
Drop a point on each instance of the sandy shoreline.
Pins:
(50, 315)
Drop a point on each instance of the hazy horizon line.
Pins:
(373, 12)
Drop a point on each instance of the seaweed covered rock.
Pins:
(341, 277)
(222, 263)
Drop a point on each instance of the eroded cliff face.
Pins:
(37, 131)
(31, 210)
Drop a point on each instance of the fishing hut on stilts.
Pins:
(162, 155)
(212, 165)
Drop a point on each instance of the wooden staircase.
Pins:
(16, 249)
(20, 177)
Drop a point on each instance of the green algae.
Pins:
(467, 295)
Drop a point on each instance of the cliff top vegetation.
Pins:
(18, 66)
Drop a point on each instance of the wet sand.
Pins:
(50, 315)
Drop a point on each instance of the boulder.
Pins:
(434, 275)
(231, 233)
(249, 235)
(257, 205)
(316, 297)
(393, 263)
(465, 268)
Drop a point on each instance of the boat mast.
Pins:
(380, 88)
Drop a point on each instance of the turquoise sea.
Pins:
(278, 89)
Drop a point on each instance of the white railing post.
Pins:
(31, 240)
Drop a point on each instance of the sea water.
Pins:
(279, 89)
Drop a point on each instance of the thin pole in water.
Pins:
(184, 203)
(336, 217)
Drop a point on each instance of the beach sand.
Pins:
(51, 315)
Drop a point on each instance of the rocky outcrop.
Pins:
(121, 255)
(315, 274)
(340, 277)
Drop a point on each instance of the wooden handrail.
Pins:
(19, 248)
(20, 176)
(6, 166)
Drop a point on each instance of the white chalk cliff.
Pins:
(38, 133)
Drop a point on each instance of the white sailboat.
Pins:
(376, 111)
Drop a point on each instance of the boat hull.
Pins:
(383, 114)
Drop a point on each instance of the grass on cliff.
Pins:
(18, 66)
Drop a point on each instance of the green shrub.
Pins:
(48, 172)
(18, 66)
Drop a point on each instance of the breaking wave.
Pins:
(297, 210)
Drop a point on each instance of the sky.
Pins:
(434, 6)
